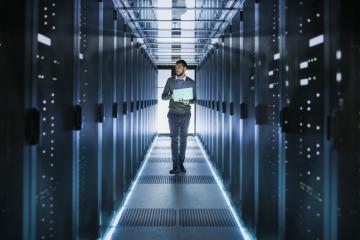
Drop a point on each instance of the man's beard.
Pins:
(181, 74)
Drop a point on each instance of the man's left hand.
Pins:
(186, 102)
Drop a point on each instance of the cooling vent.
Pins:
(177, 179)
(169, 160)
(211, 217)
(148, 217)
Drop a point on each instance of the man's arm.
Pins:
(167, 94)
(194, 100)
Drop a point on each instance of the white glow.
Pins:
(338, 77)
(277, 56)
(116, 219)
(43, 39)
(338, 54)
(316, 40)
(304, 65)
(304, 82)
(271, 73)
(245, 233)
(81, 56)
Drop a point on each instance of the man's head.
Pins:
(180, 67)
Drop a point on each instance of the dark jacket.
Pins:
(171, 84)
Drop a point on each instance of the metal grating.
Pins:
(168, 154)
(169, 147)
(176, 179)
(169, 160)
(206, 217)
(148, 217)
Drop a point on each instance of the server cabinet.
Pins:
(225, 108)
(131, 86)
(37, 120)
(108, 121)
(119, 95)
(267, 117)
(234, 111)
(212, 94)
(127, 96)
(247, 96)
(17, 56)
(343, 114)
(90, 137)
(303, 94)
(64, 168)
(55, 80)
(218, 95)
(134, 91)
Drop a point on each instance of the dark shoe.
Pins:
(182, 168)
(175, 170)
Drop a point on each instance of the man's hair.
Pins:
(182, 62)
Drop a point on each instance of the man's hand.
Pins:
(186, 102)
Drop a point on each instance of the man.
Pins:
(179, 114)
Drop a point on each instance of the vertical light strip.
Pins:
(245, 233)
(114, 222)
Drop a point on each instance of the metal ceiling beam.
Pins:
(177, 20)
(236, 4)
(174, 54)
(161, 37)
(180, 43)
(177, 30)
(177, 51)
(127, 15)
(180, 8)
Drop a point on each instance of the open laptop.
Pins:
(184, 93)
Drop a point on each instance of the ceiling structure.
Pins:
(178, 29)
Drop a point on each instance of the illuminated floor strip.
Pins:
(110, 231)
(245, 233)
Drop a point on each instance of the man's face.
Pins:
(180, 69)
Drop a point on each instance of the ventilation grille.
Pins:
(169, 147)
(168, 154)
(148, 217)
(176, 179)
(167, 217)
(187, 160)
(206, 218)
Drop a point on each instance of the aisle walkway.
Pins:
(187, 206)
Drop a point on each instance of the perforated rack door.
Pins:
(218, 96)
(343, 115)
(55, 166)
(303, 94)
(235, 117)
(227, 95)
(247, 95)
(90, 136)
(267, 99)
(119, 181)
(108, 126)
(127, 97)
(19, 118)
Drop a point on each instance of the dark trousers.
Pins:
(178, 125)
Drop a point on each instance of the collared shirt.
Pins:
(183, 77)
(171, 84)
